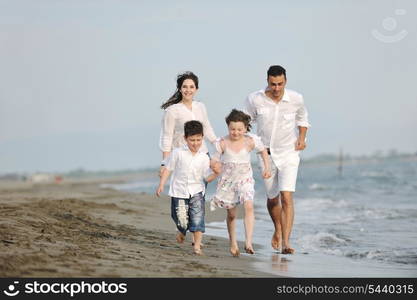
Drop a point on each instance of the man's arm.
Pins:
(301, 141)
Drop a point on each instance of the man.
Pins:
(278, 113)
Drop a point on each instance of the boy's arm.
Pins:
(164, 176)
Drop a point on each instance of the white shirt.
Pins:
(189, 172)
(172, 129)
(277, 123)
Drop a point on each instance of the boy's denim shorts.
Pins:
(188, 214)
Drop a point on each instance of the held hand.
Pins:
(300, 144)
(216, 167)
(160, 170)
(266, 174)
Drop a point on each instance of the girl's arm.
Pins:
(211, 177)
(260, 148)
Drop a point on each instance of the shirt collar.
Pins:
(186, 148)
(285, 97)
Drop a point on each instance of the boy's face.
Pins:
(194, 142)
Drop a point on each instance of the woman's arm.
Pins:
(164, 176)
(208, 129)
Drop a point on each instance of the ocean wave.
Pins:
(376, 174)
(365, 213)
(397, 256)
(318, 187)
(315, 203)
(322, 241)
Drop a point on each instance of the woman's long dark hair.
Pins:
(177, 97)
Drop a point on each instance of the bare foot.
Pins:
(288, 250)
(198, 251)
(234, 251)
(249, 250)
(201, 245)
(180, 238)
(275, 241)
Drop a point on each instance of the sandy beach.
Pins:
(77, 229)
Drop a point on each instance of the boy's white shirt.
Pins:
(188, 172)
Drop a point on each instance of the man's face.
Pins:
(194, 142)
(276, 85)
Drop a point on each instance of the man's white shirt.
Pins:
(277, 123)
(189, 172)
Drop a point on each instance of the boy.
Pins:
(191, 167)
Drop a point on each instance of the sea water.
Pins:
(358, 223)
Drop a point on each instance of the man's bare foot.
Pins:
(234, 251)
(288, 250)
(276, 241)
(180, 238)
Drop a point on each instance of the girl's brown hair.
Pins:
(239, 116)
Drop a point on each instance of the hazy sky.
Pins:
(82, 81)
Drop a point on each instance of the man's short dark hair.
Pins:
(276, 71)
(192, 128)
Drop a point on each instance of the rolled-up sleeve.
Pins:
(301, 117)
(208, 129)
(218, 148)
(167, 131)
(172, 160)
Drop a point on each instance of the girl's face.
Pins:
(236, 130)
(188, 89)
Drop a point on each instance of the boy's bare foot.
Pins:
(180, 238)
(288, 250)
(275, 241)
(201, 245)
(198, 251)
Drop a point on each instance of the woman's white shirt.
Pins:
(172, 129)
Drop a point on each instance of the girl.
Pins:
(236, 184)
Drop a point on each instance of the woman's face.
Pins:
(188, 89)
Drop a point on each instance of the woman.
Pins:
(180, 108)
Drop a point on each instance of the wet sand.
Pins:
(77, 229)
